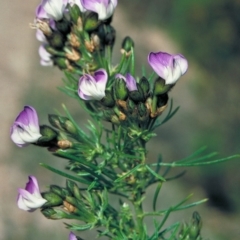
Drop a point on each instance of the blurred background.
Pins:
(207, 33)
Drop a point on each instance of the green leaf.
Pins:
(155, 174)
(128, 173)
(64, 174)
(77, 227)
(155, 197)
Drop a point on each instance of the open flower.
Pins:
(72, 236)
(29, 199)
(93, 87)
(104, 8)
(51, 9)
(130, 81)
(167, 66)
(25, 129)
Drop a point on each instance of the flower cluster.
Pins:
(77, 36)
(72, 30)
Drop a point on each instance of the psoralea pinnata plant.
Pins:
(111, 157)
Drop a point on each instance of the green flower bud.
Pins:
(162, 100)
(160, 87)
(74, 189)
(127, 44)
(120, 89)
(54, 214)
(63, 26)
(75, 13)
(130, 106)
(61, 62)
(142, 111)
(108, 100)
(56, 40)
(91, 22)
(53, 199)
(54, 121)
(48, 134)
(145, 86)
(195, 226)
(57, 190)
(110, 35)
(137, 95)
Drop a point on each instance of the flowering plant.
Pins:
(111, 157)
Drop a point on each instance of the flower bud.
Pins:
(145, 86)
(130, 106)
(160, 87)
(75, 13)
(142, 111)
(127, 44)
(195, 226)
(91, 22)
(48, 134)
(54, 214)
(56, 40)
(61, 62)
(74, 189)
(108, 100)
(53, 199)
(63, 26)
(62, 192)
(110, 35)
(120, 89)
(162, 100)
(137, 95)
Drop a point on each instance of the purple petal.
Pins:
(32, 185)
(104, 8)
(72, 236)
(159, 62)
(28, 117)
(40, 12)
(131, 82)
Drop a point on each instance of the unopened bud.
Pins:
(195, 226)
(74, 189)
(162, 100)
(61, 62)
(108, 100)
(75, 13)
(56, 40)
(62, 192)
(54, 214)
(110, 35)
(137, 96)
(91, 22)
(160, 87)
(120, 88)
(130, 106)
(145, 86)
(127, 44)
(48, 134)
(53, 199)
(142, 111)
(63, 26)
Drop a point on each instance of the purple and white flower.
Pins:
(72, 236)
(93, 87)
(46, 57)
(25, 129)
(104, 8)
(51, 9)
(130, 81)
(167, 66)
(30, 199)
